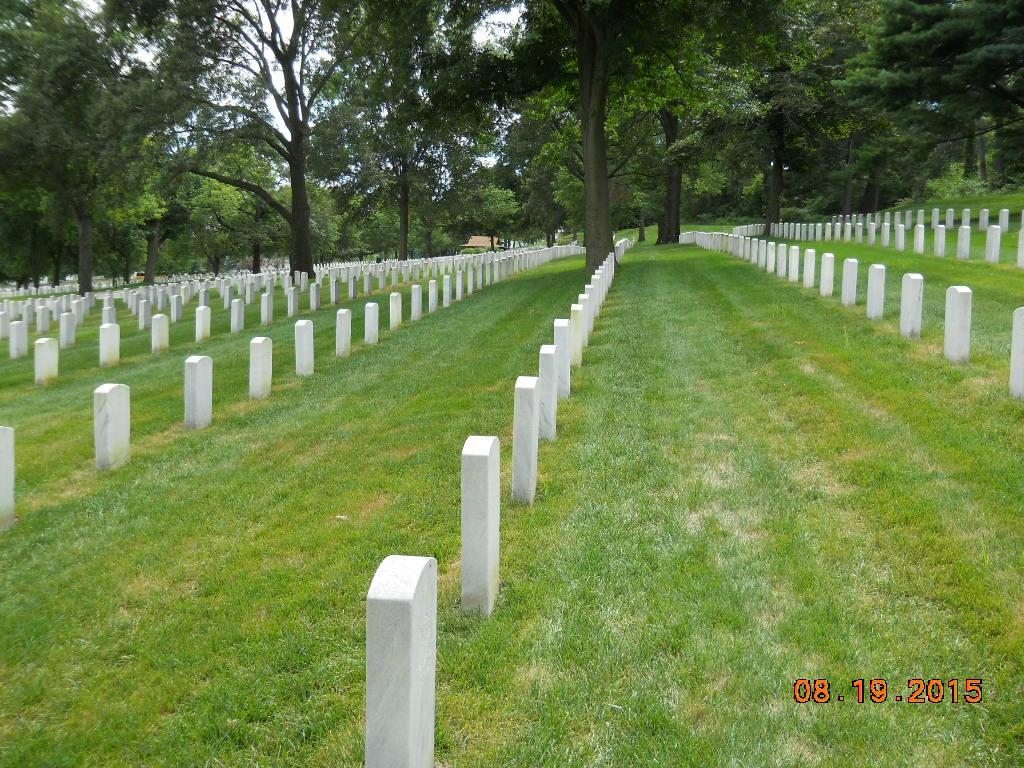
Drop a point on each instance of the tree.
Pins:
(263, 72)
(495, 210)
(964, 56)
(405, 103)
(74, 83)
(606, 37)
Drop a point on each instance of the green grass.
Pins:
(750, 484)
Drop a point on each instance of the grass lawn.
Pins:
(751, 484)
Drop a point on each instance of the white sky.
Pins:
(497, 25)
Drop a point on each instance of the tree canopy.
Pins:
(154, 136)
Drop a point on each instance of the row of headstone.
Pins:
(907, 218)
(478, 272)
(171, 298)
(875, 233)
(401, 604)
(112, 402)
(773, 257)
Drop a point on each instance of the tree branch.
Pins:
(247, 186)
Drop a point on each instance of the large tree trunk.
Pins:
(33, 254)
(257, 255)
(641, 236)
(669, 230)
(302, 230)
(970, 156)
(774, 181)
(152, 250)
(982, 154)
(592, 50)
(84, 218)
(403, 216)
(846, 204)
(872, 193)
(57, 258)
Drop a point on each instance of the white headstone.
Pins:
(828, 271)
(6, 478)
(876, 291)
(577, 332)
(940, 240)
(983, 220)
(19, 339)
(202, 323)
(548, 391)
(525, 437)
(198, 391)
(47, 354)
(68, 328)
(304, 347)
(447, 298)
(416, 302)
(111, 409)
(145, 314)
(563, 352)
(919, 238)
(266, 308)
(431, 296)
(1016, 356)
(161, 334)
(371, 323)
(958, 324)
(343, 333)
(911, 304)
(401, 660)
(809, 265)
(237, 315)
(849, 289)
(110, 344)
(481, 523)
(395, 310)
(963, 243)
(900, 237)
(261, 366)
(992, 244)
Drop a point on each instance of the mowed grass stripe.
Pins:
(204, 602)
(54, 423)
(742, 521)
